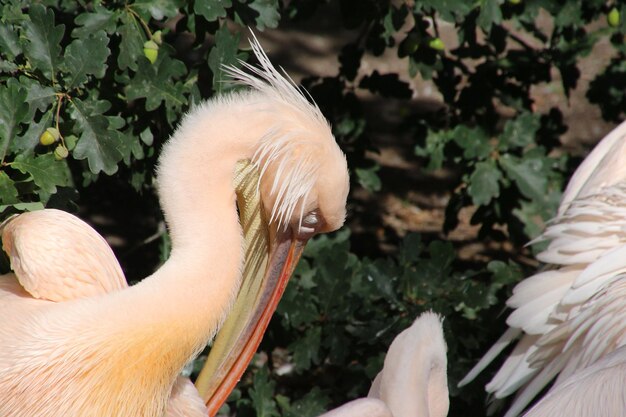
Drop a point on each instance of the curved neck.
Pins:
(170, 316)
(195, 182)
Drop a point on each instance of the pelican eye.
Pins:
(309, 224)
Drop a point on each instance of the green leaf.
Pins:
(484, 183)
(474, 141)
(529, 174)
(225, 52)
(30, 139)
(84, 57)
(100, 19)
(570, 14)
(306, 349)
(6, 66)
(9, 42)
(43, 40)
(490, 14)
(504, 273)
(519, 132)
(434, 148)
(442, 255)
(131, 44)
(448, 9)
(97, 143)
(411, 248)
(268, 13)
(533, 218)
(376, 273)
(13, 111)
(212, 9)
(147, 137)
(297, 307)
(368, 178)
(159, 9)
(8, 192)
(39, 97)
(156, 83)
(262, 394)
(44, 170)
(313, 404)
(23, 206)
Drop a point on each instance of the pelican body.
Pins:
(76, 341)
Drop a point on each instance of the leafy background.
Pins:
(460, 120)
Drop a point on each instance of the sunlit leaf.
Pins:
(484, 183)
(225, 52)
(30, 139)
(100, 18)
(212, 9)
(43, 45)
(268, 13)
(131, 45)
(44, 170)
(97, 143)
(9, 41)
(156, 83)
(8, 192)
(13, 111)
(86, 56)
(159, 9)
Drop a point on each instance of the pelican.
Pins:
(76, 341)
(413, 382)
(598, 390)
(572, 313)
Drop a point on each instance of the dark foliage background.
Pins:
(488, 145)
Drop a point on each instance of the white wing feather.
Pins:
(596, 391)
(603, 167)
(570, 315)
(57, 257)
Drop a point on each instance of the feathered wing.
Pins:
(596, 391)
(58, 257)
(566, 315)
(603, 167)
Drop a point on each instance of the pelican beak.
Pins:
(269, 260)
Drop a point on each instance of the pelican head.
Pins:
(303, 173)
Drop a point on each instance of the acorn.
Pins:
(49, 136)
(157, 37)
(437, 44)
(60, 152)
(151, 51)
(613, 18)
